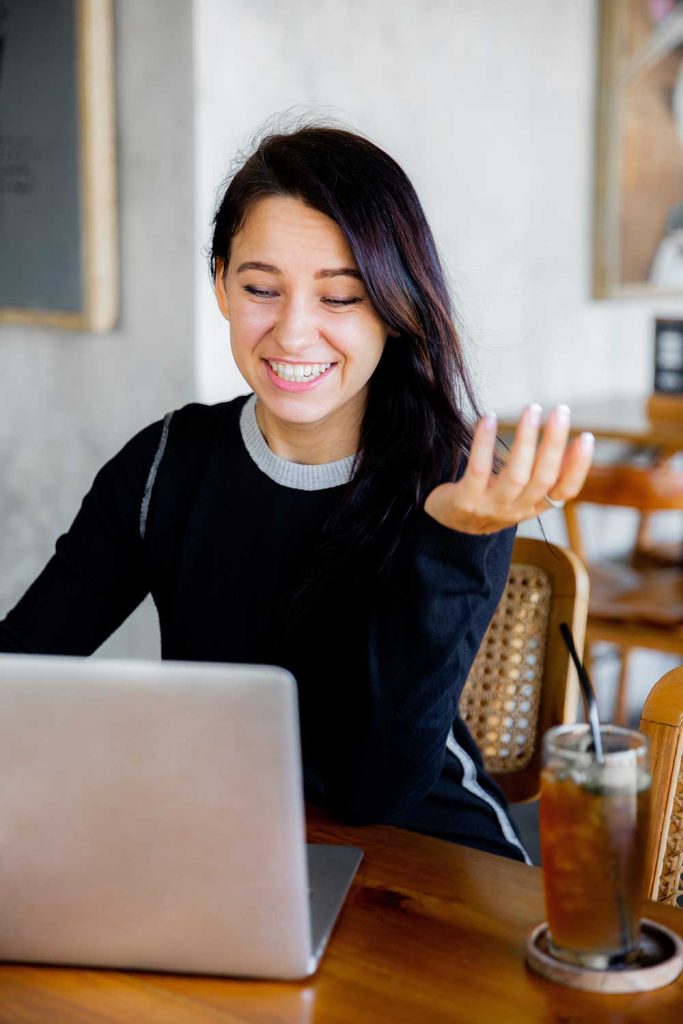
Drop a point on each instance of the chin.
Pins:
(297, 409)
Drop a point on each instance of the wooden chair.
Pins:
(662, 722)
(638, 601)
(522, 681)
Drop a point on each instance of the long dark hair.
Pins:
(416, 432)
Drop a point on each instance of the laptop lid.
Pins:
(151, 817)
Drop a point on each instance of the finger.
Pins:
(577, 462)
(515, 476)
(480, 463)
(550, 454)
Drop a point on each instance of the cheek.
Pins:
(363, 348)
(362, 341)
(249, 325)
(374, 345)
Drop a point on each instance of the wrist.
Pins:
(443, 512)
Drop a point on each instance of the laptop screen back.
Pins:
(151, 816)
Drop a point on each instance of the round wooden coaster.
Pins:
(660, 963)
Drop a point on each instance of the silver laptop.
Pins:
(151, 817)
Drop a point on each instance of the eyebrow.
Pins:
(270, 269)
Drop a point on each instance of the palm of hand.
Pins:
(484, 502)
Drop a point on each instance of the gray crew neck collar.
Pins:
(298, 475)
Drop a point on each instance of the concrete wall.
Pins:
(68, 401)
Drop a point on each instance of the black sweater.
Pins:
(184, 511)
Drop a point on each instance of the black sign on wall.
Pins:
(669, 357)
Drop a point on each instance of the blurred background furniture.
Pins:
(635, 600)
(662, 722)
(617, 418)
(522, 681)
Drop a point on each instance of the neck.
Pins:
(311, 443)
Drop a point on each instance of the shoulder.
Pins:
(196, 416)
(194, 431)
(166, 460)
(187, 424)
(178, 435)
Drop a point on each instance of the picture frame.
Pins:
(638, 209)
(58, 188)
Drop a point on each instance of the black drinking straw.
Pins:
(588, 692)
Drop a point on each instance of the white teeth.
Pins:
(298, 371)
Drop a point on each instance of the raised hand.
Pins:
(483, 501)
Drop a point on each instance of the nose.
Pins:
(295, 329)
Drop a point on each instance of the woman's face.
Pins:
(303, 331)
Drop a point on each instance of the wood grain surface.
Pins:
(431, 932)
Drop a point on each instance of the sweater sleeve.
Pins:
(98, 574)
(424, 630)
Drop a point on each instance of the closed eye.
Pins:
(263, 293)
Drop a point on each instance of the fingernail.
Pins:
(534, 412)
(490, 421)
(587, 439)
(563, 412)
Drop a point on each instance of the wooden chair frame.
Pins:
(662, 723)
(646, 490)
(559, 692)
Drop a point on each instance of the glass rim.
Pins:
(583, 729)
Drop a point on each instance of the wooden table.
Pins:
(617, 419)
(431, 932)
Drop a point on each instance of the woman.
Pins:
(342, 520)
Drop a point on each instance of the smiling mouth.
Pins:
(298, 372)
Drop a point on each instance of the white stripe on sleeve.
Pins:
(471, 784)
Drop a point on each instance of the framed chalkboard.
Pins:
(58, 222)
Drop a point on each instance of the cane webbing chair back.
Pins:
(662, 722)
(522, 681)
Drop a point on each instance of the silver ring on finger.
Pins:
(553, 502)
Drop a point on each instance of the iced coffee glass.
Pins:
(593, 821)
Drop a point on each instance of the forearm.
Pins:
(62, 613)
(98, 573)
